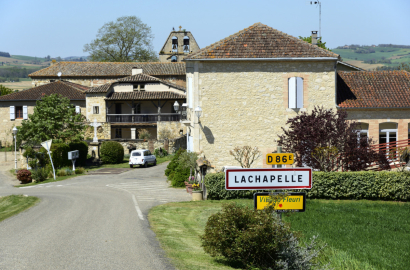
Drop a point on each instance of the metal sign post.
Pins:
(47, 146)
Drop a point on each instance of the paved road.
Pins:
(88, 222)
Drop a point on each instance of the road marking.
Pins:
(137, 208)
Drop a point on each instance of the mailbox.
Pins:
(73, 155)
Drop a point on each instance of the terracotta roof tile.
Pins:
(373, 89)
(109, 69)
(69, 90)
(145, 95)
(260, 41)
(132, 79)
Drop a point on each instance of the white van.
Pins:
(142, 157)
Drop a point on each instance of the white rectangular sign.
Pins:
(283, 178)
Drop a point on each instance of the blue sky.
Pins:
(61, 28)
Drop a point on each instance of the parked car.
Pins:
(142, 157)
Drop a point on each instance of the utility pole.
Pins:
(320, 16)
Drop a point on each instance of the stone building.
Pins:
(177, 46)
(15, 107)
(93, 74)
(124, 107)
(248, 84)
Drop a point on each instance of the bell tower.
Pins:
(178, 45)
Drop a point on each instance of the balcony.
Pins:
(143, 118)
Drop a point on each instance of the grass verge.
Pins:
(359, 234)
(14, 204)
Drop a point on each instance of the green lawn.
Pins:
(14, 204)
(360, 234)
(124, 164)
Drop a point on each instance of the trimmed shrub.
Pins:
(79, 170)
(82, 147)
(62, 172)
(40, 174)
(253, 238)
(111, 152)
(332, 185)
(59, 154)
(160, 153)
(181, 175)
(174, 162)
(24, 176)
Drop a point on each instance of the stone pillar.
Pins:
(133, 131)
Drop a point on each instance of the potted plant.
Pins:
(189, 183)
(196, 192)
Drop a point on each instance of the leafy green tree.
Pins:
(126, 40)
(319, 42)
(53, 118)
(5, 91)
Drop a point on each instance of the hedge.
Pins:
(82, 147)
(332, 185)
(59, 154)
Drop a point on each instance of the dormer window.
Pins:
(139, 87)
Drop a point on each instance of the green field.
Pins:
(28, 58)
(360, 234)
(395, 55)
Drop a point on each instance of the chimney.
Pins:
(136, 71)
(53, 62)
(314, 37)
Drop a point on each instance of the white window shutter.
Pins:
(77, 109)
(25, 115)
(12, 113)
(299, 92)
(190, 93)
(292, 93)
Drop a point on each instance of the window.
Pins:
(77, 109)
(295, 92)
(118, 133)
(136, 154)
(174, 44)
(139, 87)
(96, 109)
(174, 58)
(19, 112)
(186, 44)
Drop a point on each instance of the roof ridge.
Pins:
(211, 53)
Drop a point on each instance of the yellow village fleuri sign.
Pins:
(294, 202)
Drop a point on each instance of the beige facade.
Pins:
(246, 102)
(7, 124)
(96, 109)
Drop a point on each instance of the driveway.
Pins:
(88, 222)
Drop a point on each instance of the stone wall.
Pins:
(246, 103)
(173, 126)
(103, 131)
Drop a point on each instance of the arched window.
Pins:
(174, 58)
(174, 44)
(186, 44)
(295, 92)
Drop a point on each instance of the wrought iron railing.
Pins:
(143, 118)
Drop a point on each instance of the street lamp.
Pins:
(182, 110)
(198, 113)
(15, 148)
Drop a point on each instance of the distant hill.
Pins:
(372, 57)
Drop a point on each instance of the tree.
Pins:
(245, 155)
(53, 118)
(327, 141)
(126, 40)
(5, 91)
(319, 42)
